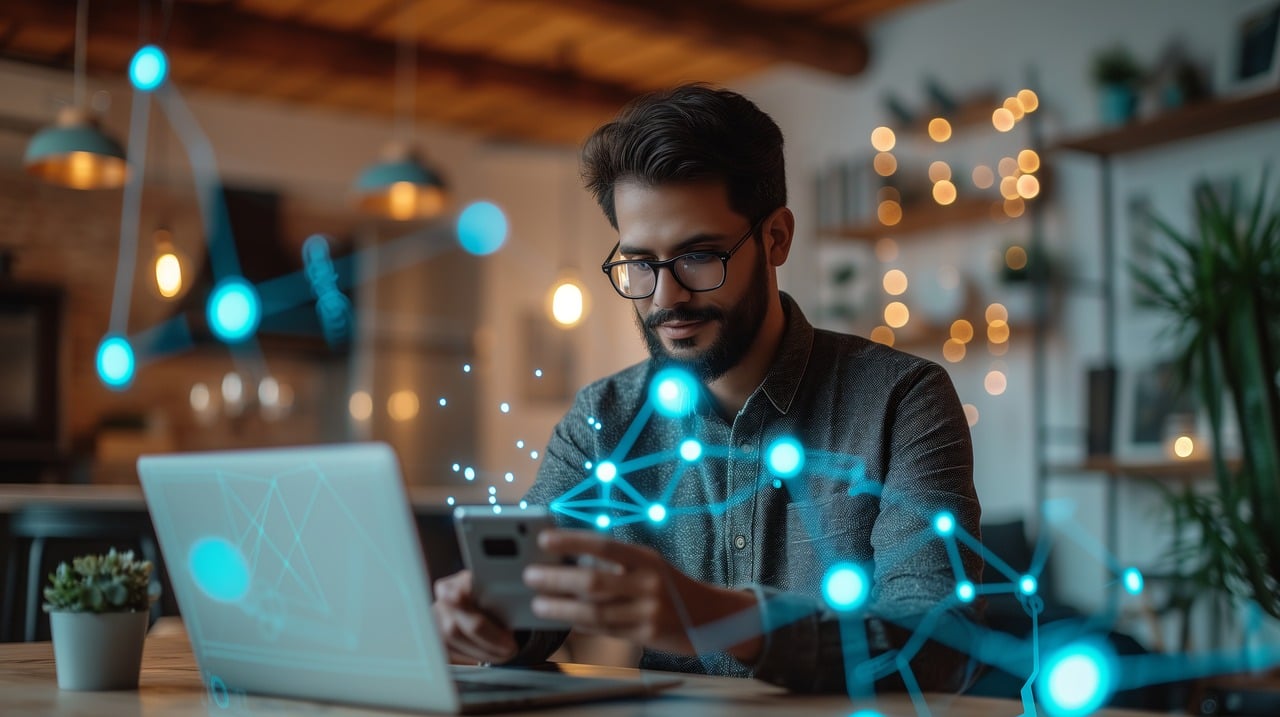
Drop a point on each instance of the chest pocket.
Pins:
(820, 533)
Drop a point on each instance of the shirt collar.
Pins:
(783, 379)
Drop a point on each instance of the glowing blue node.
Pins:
(510, 477)
(1076, 681)
(1133, 581)
(450, 500)
(966, 591)
(469, 473)
(785, 457)
(606, 471)
(148, 68)
(482, 228)
(674, 393)
(691, 450)
(456, 467)
(777, 483)
(116, 363)
(944, 523)
(218, 569)
(866, 713)
(524, 504)
(504, 407)
(234, 310)
(845, 587)
(1028, 585)
(602, 521)
(657, 513)
(497, 509)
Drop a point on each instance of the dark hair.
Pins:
(693, 132)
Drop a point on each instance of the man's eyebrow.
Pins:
(703, 238)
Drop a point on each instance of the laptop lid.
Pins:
(299, 573)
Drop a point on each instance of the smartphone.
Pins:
(496, 547)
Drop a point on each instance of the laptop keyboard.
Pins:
(466, 686)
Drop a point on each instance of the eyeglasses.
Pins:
(695, 271)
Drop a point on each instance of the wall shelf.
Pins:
(920, 218)
(1164, 470)
(1191, 121)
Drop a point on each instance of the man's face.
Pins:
(709, 332)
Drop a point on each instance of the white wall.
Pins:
(1002, 46)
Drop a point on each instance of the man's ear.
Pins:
(778, 231)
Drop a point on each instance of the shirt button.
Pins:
(744, 447)
(740, 542)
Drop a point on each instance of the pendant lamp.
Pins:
(402, 185)
(75, 152)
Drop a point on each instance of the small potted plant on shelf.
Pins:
(98, 608)
(1119, 78)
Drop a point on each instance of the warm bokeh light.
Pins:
(360, 405)
(883, 139)
(939, 171)
(568, 303)
(983, 177)
(1029, 100)
(1028, 161)
(953, 351)
(1008, 167)
(168, 274)
(1009, 188)
(403, 405)
(1002, 119)
(962, 331)
(886, 249)
(971, 414)
(882, 335)
(995, 383)
(896, 315)
(944, 192)
(895, 282)
(889, 212)
(998, 332)
(1028, 186)
(996, 312)
(1184, 447)
(1015, 207)
(939, 129)
(1015, 257)
(1015, 108)
(885, 164)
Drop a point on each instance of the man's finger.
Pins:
(597, 617)
(587, 583)
(583, 542)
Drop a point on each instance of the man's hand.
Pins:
(470, 634)
(634, 594)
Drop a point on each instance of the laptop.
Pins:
(299, 573)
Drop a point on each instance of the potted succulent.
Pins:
(1118, 77)
(98, 608)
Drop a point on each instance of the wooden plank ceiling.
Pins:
(529, 70)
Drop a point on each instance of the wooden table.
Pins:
(170, 685)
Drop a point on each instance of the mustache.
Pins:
(663, 316)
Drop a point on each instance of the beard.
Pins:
(738, 330)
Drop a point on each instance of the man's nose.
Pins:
(668, 292)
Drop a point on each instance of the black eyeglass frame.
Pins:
(656, 266)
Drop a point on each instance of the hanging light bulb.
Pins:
(402, 185)
(168, 265)
(75, 152)
(567, 302)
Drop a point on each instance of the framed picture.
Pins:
(1153, 400)
(1253, 64)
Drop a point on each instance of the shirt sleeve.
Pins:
(929, 469)
(561, 469)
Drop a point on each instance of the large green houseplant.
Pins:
(1221, 286)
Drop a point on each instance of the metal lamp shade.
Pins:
(75, 153)
(401, 189)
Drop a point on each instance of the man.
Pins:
(738, 570)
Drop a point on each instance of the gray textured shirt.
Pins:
(886, 446)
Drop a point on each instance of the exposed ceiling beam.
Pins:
(226, 30)
(733, 26)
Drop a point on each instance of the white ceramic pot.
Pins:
(98, 651)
